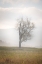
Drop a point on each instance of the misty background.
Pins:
(10, 12)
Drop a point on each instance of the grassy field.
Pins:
(12, 55)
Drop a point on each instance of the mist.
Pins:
(10, 12)
(10, 37)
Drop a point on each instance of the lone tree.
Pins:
(25, 29)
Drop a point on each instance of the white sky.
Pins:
(11, 10)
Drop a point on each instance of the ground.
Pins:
(15, 55)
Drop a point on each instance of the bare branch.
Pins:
(25, 28)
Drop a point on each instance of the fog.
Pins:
(10, 12)
(10, 37)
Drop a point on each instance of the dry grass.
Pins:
(20, 56)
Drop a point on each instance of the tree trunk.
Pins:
(19, 39)
(20, 36)
(19, 43)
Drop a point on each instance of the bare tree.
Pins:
(25, 29)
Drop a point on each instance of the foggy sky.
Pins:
(11, 11)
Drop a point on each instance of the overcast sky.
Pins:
(11, 10)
